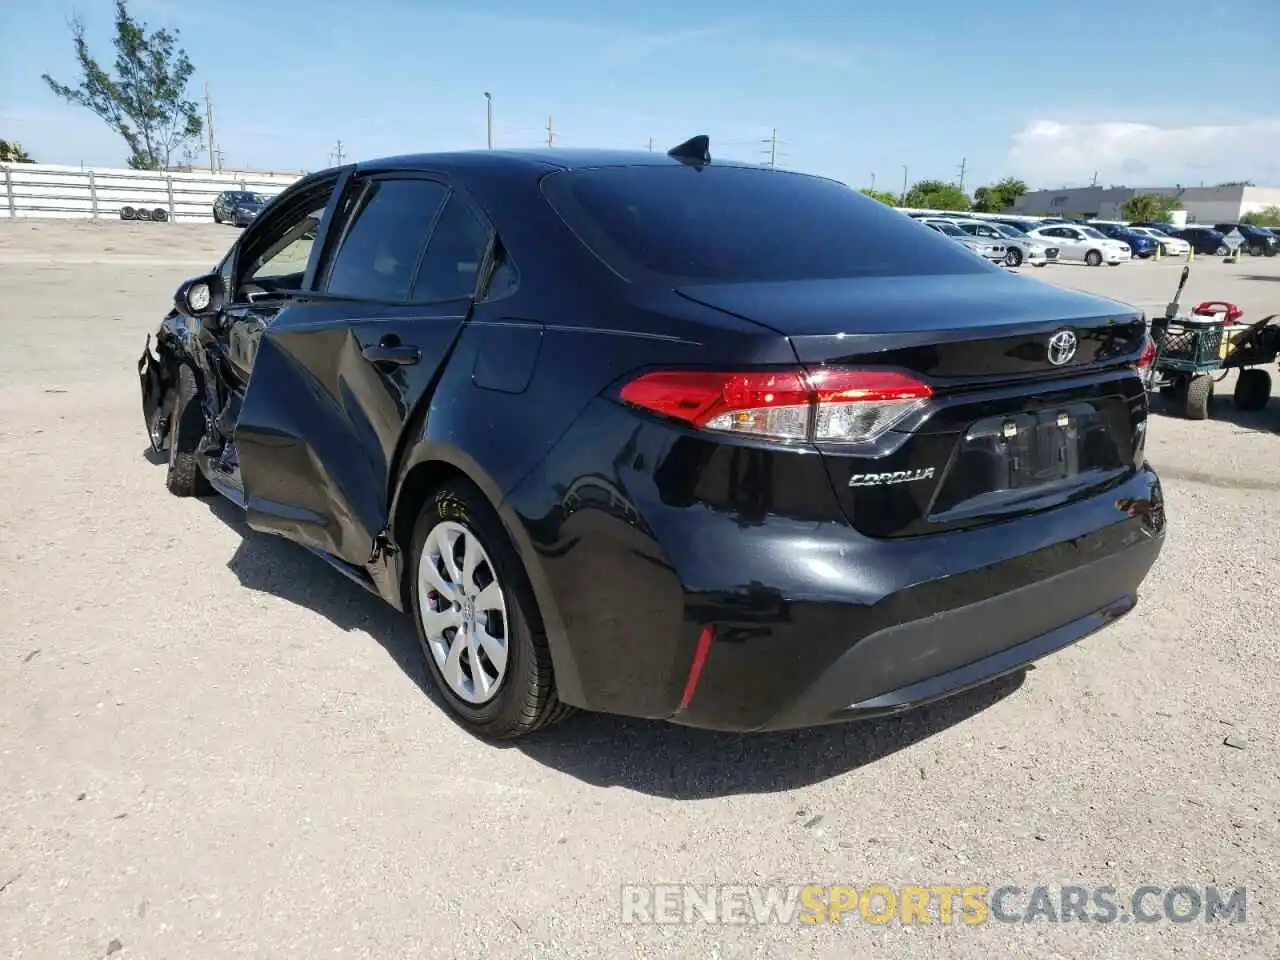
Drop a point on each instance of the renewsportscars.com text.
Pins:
(964, 904)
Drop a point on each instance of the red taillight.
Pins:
(1148, 356)
(831, 405)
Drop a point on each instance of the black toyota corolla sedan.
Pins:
(662, 436)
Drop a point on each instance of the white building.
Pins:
(1203, 204)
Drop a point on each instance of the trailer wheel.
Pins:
(1253, 389)
(1199, 393)
(128, 213)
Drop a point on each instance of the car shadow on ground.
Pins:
(650, 757)
(1266, 420)
(1275, 278)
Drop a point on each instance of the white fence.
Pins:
(47, 190)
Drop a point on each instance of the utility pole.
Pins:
(963, 162)
(208, 119)
(1095, 179)
(221, 156)
(873, 180)
(488, 113)
(651, 144)
(551, 135)
(903, 198)
(773, 148)
(338, 154)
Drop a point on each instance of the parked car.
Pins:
(237, 207)
(1258, 241)
(1085, 244)
(1019, 223)
(658, 436)
(1206, 241)
(1140, 245)
(1171, 229)
(992, 250)
(1170, 245)
(1020, 247)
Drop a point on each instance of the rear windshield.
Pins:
(740, 224)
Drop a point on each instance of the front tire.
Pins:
(1199, 393)
(1013, 258)
(1222, 251)
(186, 426)
(1093, 258)
(477, 618)
(217, 217)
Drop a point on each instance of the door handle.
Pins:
(393, 354)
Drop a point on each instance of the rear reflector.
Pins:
(842, 406)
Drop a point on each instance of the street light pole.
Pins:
(904, 184)
(488, 112)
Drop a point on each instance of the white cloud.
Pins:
(1049, 153)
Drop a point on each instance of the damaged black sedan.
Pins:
(665, 437)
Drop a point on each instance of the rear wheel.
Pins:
(1255, 250)
(1222, 251)
(1013, 258)
(477, 618)
(217, 217)
(1199, 393)
(1253, 389)
(1093, 258)
(186, 426)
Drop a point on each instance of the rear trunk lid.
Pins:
(1035, 400)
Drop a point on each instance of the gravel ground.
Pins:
(211, 745)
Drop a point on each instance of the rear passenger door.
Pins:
(338, 374)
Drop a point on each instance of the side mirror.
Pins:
(200, 297)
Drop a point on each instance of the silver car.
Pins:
(1021, 248)
(992, 250)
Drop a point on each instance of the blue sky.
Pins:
(1176, 91)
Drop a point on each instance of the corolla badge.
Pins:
(885, 479)
(1062, 347)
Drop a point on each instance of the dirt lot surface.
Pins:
(211, 745)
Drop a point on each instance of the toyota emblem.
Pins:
(1062, 347)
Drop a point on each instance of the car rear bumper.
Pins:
(932, 638)
(734, 620)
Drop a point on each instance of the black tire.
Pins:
(143, 214)
(128, 213)
(1253, 389)
(526, 700)
(186, 426)
(1255, 250)
(1199, 393)
(217, 217)
(1093, 258)
(1222, 251)
(1013, 258)
(1269, 251)
(159, 215)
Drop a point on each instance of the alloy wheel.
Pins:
(464, 613)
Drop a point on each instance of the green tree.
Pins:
(1150, 207)
(937, 195)
(1268, 217)
(11, 152)
(145, 102)
(884, 196)
(1238, 183)
(999, 196)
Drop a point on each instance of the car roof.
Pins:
(539, 160)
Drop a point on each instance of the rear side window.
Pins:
(741, 224)
(451, 264)
(380, 250)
